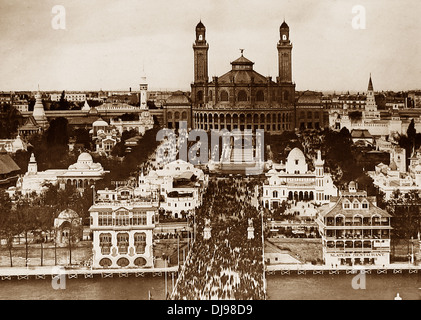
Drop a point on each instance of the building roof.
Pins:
(242, 60)
(338, 209)
(284, 25)
(7, 165)
(100, 123)
(29, 125)
(296, 153)
(360, 133)
(200, 25)
(178, 98)
(239, 75)
(370, 84)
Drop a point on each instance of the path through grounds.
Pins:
(228, 265)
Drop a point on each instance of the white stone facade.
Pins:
(294, 182)
(122, 223)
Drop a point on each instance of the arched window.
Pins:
(122, 242)
(309, 115)
(169, 115)
(260, 96)
(140, 242)
(210, 95)
(242, 95)
(224, 95)
(184, 115)
(286, 95)
(177, 115)
(105, 262)
(140, 262)
(123, 262)
(200, 96)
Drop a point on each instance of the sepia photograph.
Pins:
(210, 154)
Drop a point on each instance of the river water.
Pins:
(286, 287)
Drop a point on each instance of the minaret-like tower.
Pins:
(32, 165)
(143, 93)
(39, 113)
(318, 166)
(370, 105)
(200, 48)
(284, 55)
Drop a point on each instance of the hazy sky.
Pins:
(107, 43)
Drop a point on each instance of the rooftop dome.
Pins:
(296, 153)
(284, 25)
(177, 97)
(100, 123)
(68, 214)
(84, 157)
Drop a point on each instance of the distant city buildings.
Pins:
(395, 177)
(363, 114)
(74, 97)
(309, 112)
(354, 230)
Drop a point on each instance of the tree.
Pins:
(57, 133)
(10, 119)
(83, 137)
(8, 222)
(25, 221)
(63, 103)
(406, 212)
(411, 132)
(355, 115)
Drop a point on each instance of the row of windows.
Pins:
(177, 115)
(249, 118)
(242, 96)
(175, 204)
(105, 242)
(106, 219)
(355, 205)
(268, 127)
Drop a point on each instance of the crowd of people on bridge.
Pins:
(228, 265)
